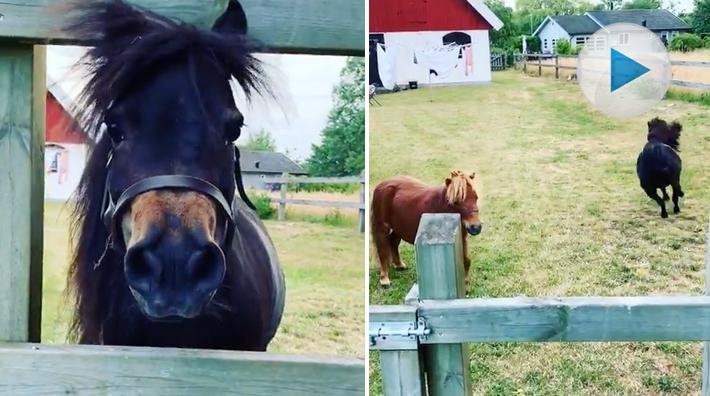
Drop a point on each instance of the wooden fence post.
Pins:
(282, 201)
(539, 66)
(22, 124)
(400, 358)
(557, 67)
(525, 63)
(361, 210)
(440, 276)
(706, 345)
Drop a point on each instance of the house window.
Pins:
(459, 38)
(544, 43)
(554, 43)
(623, 38)
(581, 40)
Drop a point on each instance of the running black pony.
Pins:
(659, 165)
(166, 252)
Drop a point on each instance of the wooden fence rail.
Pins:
(334, 27)
(286, 179)
(422, 342)
(536, 61)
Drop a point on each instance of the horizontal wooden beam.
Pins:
(663, 318)
(690, 63)
(334, 27)
(314, 180)
(34, 369)
(326, 204)
(690, 84)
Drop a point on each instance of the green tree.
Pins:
(700, 18)
(642, 5)
(612, 4)
(505, 37)
(342, 149)
(260, 141)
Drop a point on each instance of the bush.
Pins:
(686, 42)
(706, 44)
(263, 206)
(563, 47)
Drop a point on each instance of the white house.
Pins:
(408, 39)
(578, 28)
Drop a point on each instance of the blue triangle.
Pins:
(624, 70)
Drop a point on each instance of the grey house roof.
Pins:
(268, 162)
(590, 22)
(655, 19)
(576, 24)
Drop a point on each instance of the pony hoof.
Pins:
(676, 210)
(401, 268)
(385, 285)
(664, 215)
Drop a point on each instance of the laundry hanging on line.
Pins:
(386, 64)
(441, 61)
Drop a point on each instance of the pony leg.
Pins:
(394, 241)
(665, 194)
(651, 192)
(677, 193)
(466, 264)
(383, 253)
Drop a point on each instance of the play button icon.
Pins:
(624, 70)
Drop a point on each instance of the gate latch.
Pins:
(398, 335)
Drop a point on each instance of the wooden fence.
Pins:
(540, 61)
(422, 343)
(287, 179)
(333, 27)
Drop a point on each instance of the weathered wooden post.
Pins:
(361, 210)
(22, 123)
(539, 66)
(282, 200)
(394, 331)
(706, 345)
(557, 67)
(440, 276)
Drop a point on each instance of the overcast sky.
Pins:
(304, 84)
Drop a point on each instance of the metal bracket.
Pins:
(398, 335)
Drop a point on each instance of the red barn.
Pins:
(65, 146)
(430, 42)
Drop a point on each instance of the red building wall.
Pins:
(60, 126)
(424, 15)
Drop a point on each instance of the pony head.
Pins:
(660, 131)
(462, 196)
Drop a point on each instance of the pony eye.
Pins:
(113, 131)
(233, 126)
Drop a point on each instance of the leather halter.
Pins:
(112, 209)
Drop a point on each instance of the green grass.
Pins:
(563, 216)
(702, 98)
(324, 312)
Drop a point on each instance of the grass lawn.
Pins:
(563, 215)
(324, 312)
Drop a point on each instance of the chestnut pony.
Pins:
(167, 253)
(398, 204)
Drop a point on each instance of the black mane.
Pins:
(127, 42)
(660, 131)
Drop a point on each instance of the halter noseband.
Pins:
(111, 209)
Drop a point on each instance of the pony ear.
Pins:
(473, 175)
(676, 127)
(447, 181)
(233, 21)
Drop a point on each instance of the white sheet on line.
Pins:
(443, 60)
(386, 65)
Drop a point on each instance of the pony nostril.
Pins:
(206, 267)
(141, 268)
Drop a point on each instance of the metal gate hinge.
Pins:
(398, 335)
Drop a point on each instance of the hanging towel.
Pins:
(468, 56)
(386, 65)
(441, 60)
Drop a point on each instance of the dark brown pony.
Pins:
(167, 253)
(398, 204)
